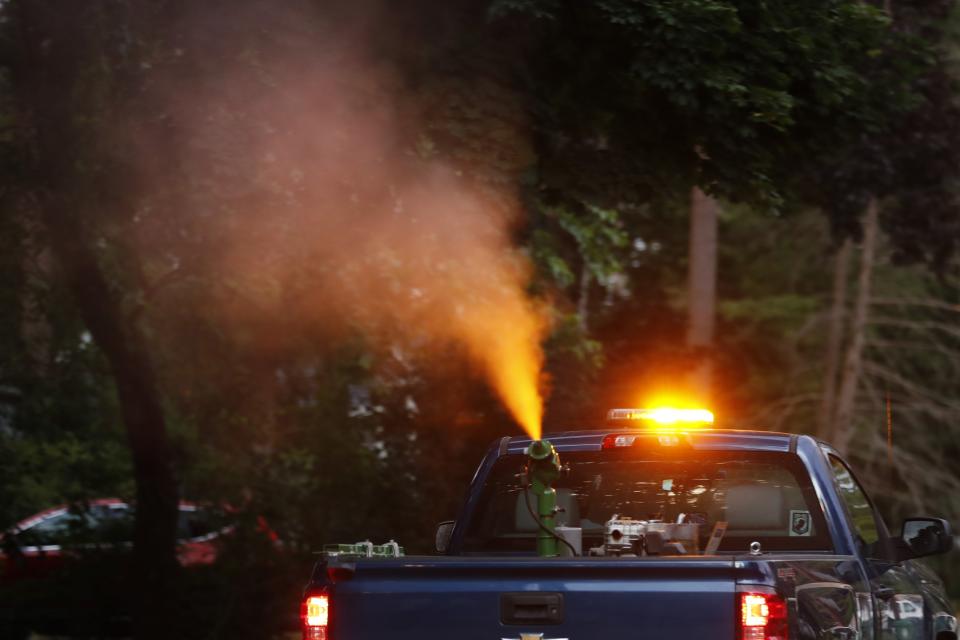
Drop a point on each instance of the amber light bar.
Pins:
(663, 416)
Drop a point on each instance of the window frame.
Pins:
(879, 550)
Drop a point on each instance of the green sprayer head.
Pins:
(540, 450)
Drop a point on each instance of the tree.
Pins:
(731, 116)
(702, 290)
(838, 314)
(903, 176)
(850, 378)
(64, 100)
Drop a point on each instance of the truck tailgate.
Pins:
(483, 598)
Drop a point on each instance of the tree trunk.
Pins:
(57, 54)
(838, 312)
(154, 538)
(583, 300)
(853, 362)
(702, 290)
(35, 330)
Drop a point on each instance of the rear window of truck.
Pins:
(761, 496)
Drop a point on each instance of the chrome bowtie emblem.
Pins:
(533, 636)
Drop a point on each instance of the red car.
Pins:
(36, 545)
(41, 590)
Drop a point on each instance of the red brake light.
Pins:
(763, 616)
(315, 613)
(617, 440)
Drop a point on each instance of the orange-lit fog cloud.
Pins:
(345, 211)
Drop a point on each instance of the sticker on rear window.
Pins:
(800, 523)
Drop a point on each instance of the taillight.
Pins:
(315, 614)
(763, 616)
(618, 440)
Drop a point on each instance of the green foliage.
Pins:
(590, 235)
(781, 105)
(59, 432)
(789, 307)
(735, 96)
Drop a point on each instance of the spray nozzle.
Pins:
(543, 465)
(540, 450)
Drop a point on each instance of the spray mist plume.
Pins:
(349, 213)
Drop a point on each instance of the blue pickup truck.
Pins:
(685, 534)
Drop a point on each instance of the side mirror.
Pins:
(926, 536)
(444, 531)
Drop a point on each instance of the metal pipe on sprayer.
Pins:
(543, 468)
